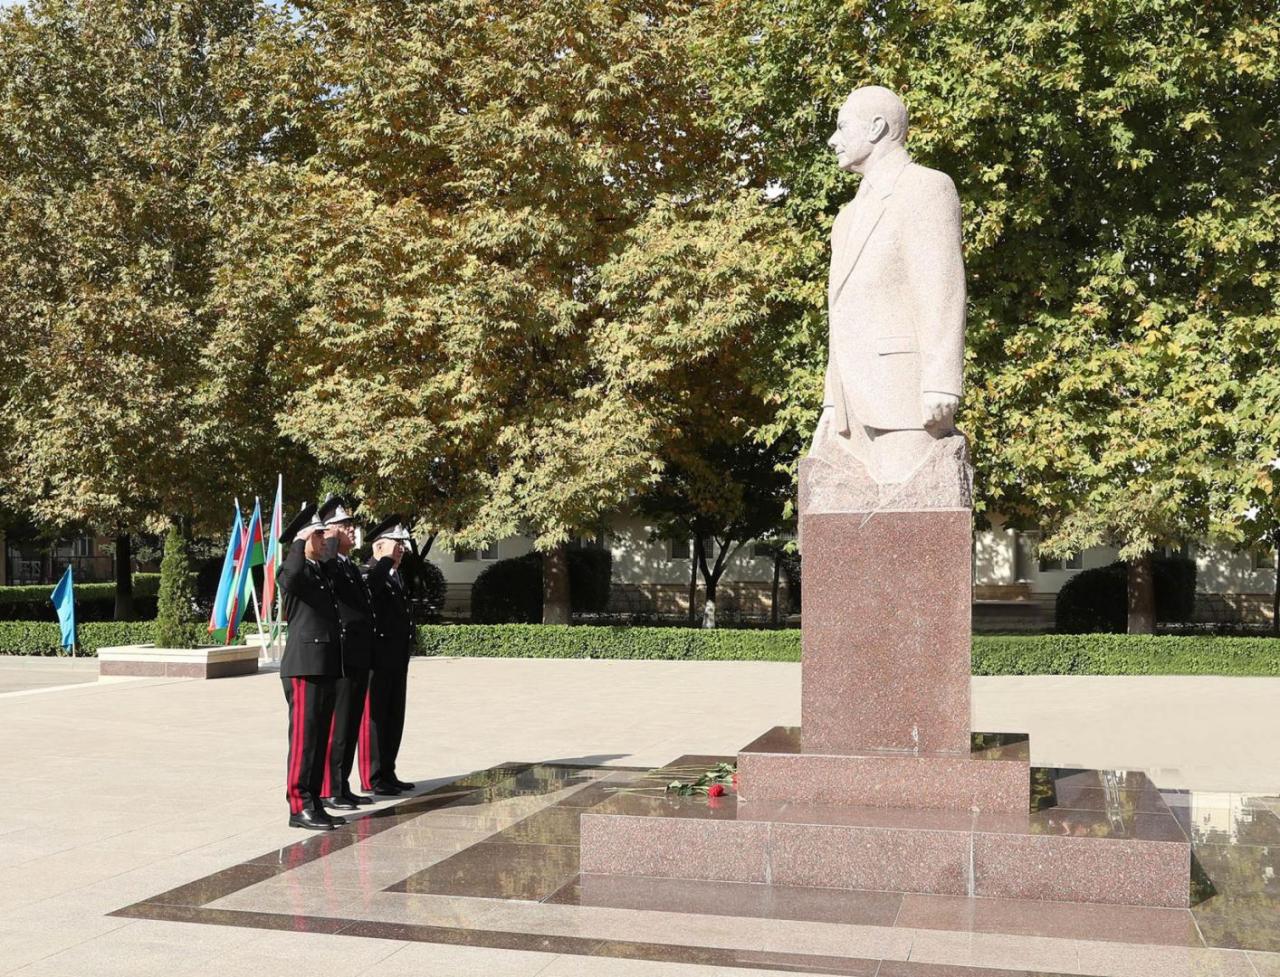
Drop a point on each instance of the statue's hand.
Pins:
(938, 411)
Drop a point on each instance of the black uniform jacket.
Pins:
(355, 613)
(393, 623)
(314, 646)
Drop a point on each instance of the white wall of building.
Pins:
(636, 560)
(1002, 557)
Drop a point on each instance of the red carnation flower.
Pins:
(715, 790)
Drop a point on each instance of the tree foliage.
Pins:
(480, 277)
(1117, 163)
(121, 123)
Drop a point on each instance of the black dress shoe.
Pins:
(386, 790)
(335, 819)
(339, 803)
(357, 799)
(312, 820)
(402, 784)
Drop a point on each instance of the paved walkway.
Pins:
(120, 791)
(30, 674)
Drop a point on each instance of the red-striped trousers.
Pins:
(310, 699)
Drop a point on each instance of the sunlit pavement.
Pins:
(125, 792)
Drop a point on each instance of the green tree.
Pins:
(446, 281)
(1116, 161)
(121, 125)
(176, 601)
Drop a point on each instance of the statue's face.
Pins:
(853, 139)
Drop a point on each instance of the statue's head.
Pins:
(871, 119)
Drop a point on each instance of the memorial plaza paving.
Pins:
(145, 832)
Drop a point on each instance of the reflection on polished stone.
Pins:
(550, 826)
(732, 899)
(510, 834)
(497, 871)
(1241, 907)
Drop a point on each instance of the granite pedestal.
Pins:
(883, 787)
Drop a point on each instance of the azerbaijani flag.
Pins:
(235, 543)
(272, 567)
(251, 557)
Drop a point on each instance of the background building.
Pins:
(1014, 588)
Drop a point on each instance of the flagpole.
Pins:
(257, 612)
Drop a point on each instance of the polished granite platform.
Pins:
(492, 860)
(978, 824)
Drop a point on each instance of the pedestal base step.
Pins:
(1118, 845)
(994, 776)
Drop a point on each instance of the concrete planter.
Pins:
(147, 659)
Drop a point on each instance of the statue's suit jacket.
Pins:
(896, 300)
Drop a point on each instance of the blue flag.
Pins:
(64, 602)
(218, 618)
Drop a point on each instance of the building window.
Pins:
(462, 556)
(82, 546)
(490, 552)
(595, 542)
(679, 549)
(1073, 562)
(1264, 559)
(1024, 555)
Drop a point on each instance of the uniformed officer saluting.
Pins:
(356, 616)
(311, 665)
(383, 724)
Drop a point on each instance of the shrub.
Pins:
(510, 591)
(1044, 654)
(1124, 654)
(44, 638)
(590, 577)
(587, 641)
(176, 600)
(426, 585)
(94, 601)
(1038, 654)
(1097, 600)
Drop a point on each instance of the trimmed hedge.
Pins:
(94, 601)
(587, 641)
(1124, 654)
(1040, 654)
(43, 638)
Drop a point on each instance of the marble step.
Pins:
(994, 776)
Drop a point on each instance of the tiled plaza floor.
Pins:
(145, 835)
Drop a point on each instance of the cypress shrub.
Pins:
(426, 585)
(1097, 600)
(176, 601)
(510, 591)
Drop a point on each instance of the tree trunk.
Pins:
(124, 578)
(711, 578)
(1142, 596)
(773, 595)
(709, 608)
(555, 586)
(693, 580)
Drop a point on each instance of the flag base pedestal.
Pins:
(149, 661)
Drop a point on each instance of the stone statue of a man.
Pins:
(896, 301)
